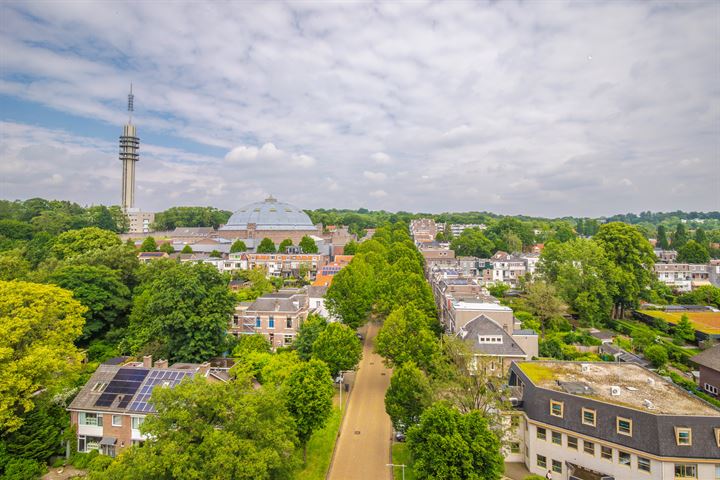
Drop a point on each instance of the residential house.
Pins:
(278, 316)
(593, 421)
(709, 365)
(147, 257)
(423, 230)
(683, 277)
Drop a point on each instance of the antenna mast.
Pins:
(131, 100)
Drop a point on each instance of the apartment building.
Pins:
(423, 230)
(609, 421)
(108, 411)
(458, 228)
(434, 251)
(708, 363)
(508, 268)
(275, 264)
(665, 256)
(683, 277)
(278, 316)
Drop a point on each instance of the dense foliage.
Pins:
(190, 217)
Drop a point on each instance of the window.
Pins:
(91, 419)
(288, 322)
(136, 421)
(557, 466)
(588, 417)
(515, 447)
(288, 339)
(624, 426)
(643, 464)
(556, 437)
(572, 442)
(81, 443)
(541, 433)
(606, 453)
(589, 447)
(271, 322)
(624, 458)
(711, 389)
(542, 461)
(117, 420)
(556, 408)
(685, 470)
(683, 436)
(258, 322)
(717, 472)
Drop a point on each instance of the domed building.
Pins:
(269, 218)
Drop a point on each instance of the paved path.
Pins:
(364, 455)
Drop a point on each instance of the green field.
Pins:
(706, 322)
(320, 449)
(401, 456)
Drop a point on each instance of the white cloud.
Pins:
(267, 155)
(378, 193)
(382, 158)
(374, 176)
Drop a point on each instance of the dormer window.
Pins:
(624, 426)
(683, 436)
(556, 408)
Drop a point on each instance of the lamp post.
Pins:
(391, 465)
(342, 384)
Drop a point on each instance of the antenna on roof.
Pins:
(131, 101)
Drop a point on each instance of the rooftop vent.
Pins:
(651, 381)
(648, 404)
(614, 390)
(585, 367)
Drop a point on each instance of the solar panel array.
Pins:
(157, 377)
(125, 383)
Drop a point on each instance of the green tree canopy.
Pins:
(408, 396)
(680, 236)
(406, 336)
(284, 245)
(101, 290)
(149, 245)
(308, 245)
(238, 246)
(308, 393)
(190, 217)
(693, 252)
(351, 293)
(38, 325)
(472, 243)
(251, 343)
(167, 248)
(76, 242)
(657, 354)
(119, 258)
(309, 331)
(702, 295)
(350, 248)
(211, 430)
(266, 246)
(544, 302)
(186, 249)
(13, 266)
(701, 237)
(449, 445)
(183, 308)
(338, 346)
(662, 239)
(684, 330)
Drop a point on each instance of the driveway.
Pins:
(362, 450)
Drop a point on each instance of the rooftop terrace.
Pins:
(623, 384)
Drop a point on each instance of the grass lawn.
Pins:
(401, 456)
(320, 449)
(706, 322)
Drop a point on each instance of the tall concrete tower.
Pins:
(129, 145)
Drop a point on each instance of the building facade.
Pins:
(277, 316)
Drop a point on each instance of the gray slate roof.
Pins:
(485, 326)
(710, 358)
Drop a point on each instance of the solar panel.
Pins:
(167, 378)
(124, 385)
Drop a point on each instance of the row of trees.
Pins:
(307, 245)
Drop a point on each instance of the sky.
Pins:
(545, 108)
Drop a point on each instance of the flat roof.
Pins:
(469, 304)
(636, 385)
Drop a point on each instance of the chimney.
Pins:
(161, 364)
(147, 361)
(204, 368)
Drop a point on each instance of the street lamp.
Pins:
(396, 465)
(342, 384)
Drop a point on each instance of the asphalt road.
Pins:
(362, 451)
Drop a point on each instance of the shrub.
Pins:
(82, 460)
(657, 354)
(23, 469)
(100, 463)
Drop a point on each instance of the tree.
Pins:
(406, 336)
(350, 248)
(337, 346)
(662, 240)
(120, 258)
(542, 298)
(657, 354)
(684, 330)
(449, 445)
(634, 256)
(498, 290)
(75, 242)
(251, 343)
(13, 266)
(186, 249)
(104, 219)
(308, 392)
(211, 430)
(352, 292)
(309, 331)
(701, 237)
(39, 437)
(190, 217)
(408, 396)
(215, 254)
(182, 307)
(38, 325)
(167, 248)
(308, 245)
(266, 246)
(693, 252)
(238, 246)
(148, 245)
(473, 243)
(563, 233)
(702, 295)
(101, 290)
(680, 237)
(282, 248)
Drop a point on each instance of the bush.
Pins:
(23, 469)
(100, 463)
(82, 460)
(657, 354)
(534, 477)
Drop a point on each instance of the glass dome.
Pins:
(269, 215)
